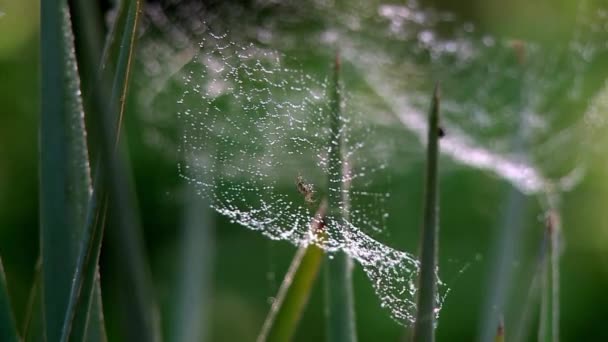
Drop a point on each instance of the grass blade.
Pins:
(191, 298)
(65, 183)
(33, 323)
(549, 314)
(424, 328)
(338, 266)
(141, 312)
(532, 302)
(83, 307)
(287, 308)
(8, 331)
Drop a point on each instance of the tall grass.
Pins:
(290, 301)
(338, 266)
(548, 330)
(64, 168)
(424, 328)
(8, 329)
(72, 209)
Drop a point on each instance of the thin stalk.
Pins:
(83, 305)
(424, 328)
(8, 330)
(549, 314)
(531, 305)
(340, 313)
(33, 325)
(289, 304)
(506, 244)
(192, 298)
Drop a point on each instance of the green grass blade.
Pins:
(64, 168)
(549, 314)
(289, 304)
(338, 266)
(95, 331)
(33, 323)
(83, 306)
(192, 300)
(537, 278)
(141, 313)
(89, 34)
(424, 327)
(113, 186)
(8, 331)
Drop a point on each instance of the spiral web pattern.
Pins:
(255, 130)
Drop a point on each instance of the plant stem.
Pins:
(549, 320)
(340, 314)
(297, 284)
(424, 329)
(8, 330)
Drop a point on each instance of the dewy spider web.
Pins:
(253, 127)
(253, 123)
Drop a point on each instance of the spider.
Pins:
(305, 189)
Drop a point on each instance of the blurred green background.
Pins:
(246, 268)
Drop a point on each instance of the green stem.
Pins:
(8, 330)
(338, 266)
(297, 284)
(549, 320)
(424, 329)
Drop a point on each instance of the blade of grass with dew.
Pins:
(548, 329)
(340, 314)
(424, 326)
(78, 311)
(8, 331)
(65, 183)
(192, 287)
(289, 304)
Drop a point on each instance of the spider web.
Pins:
(254, 128)
(254, 121)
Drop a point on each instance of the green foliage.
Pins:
(72, 209)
